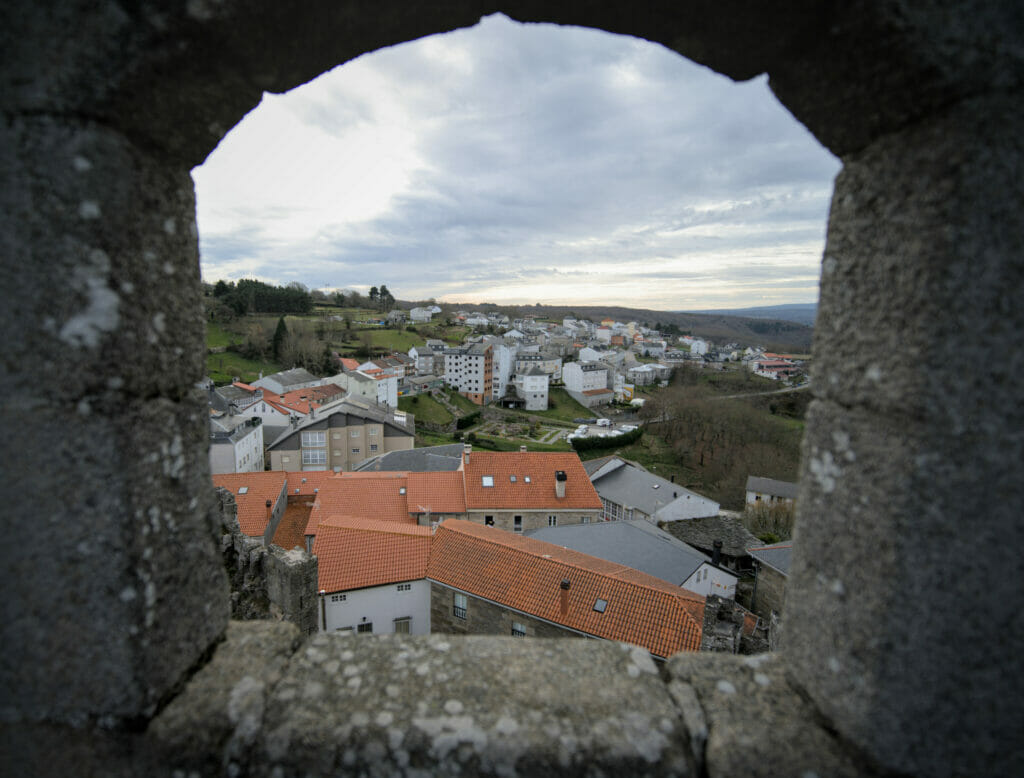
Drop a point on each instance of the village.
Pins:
(524, 542)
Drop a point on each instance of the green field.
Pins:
(425, 408)
(223, 367)
(491, 443)
(561, 407)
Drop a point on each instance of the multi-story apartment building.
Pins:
(341, 437)
(470, 371)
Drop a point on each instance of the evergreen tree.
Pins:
(374, 295)
(280, 334)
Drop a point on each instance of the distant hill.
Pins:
(774, 334)
(801, 313)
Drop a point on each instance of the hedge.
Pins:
(612, 441)
(468, 420)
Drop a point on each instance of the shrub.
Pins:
(468, 420)
(612, 441)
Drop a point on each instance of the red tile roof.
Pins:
(291, 531)
(356, 553)
(349, 364)
(306, 482)
(317, 395)
(593, 392)
(376, 496)
(525, 574)
(539, 492)
(439, 492)
(252, 506)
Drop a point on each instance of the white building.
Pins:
(372, 576)
(236, 444)
(380, 388)
(532, 388)
(469, 370)
(420, 315)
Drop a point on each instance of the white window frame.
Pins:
(314, 456)
(314, 439)
(460, 605)
(402, 625)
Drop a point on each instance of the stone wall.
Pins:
(769, 591)
(266, 582)
(485, 618)
(116, 622)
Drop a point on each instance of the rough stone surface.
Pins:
(266, 582)
(756, 723)
(219, 715)
(907, 535)
(472, 705)
(914, 451)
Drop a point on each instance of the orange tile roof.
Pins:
(356, 553)
(349, 364)
(539, 493)
(376, 496)
(306, 482)
(593, 392)
(252, 506)
(292, 527)
(525, 574)
(438, 492)
(317, 395)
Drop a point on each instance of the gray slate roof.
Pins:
(702, 533)
(636, 544)
(293, 377)
(771, 486)
(640, 489)
(429, 459)
(776, 556)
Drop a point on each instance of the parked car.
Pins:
(604, 422)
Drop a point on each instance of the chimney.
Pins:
(522, 449)
(467, 449)
(312, 413)
(560, 478)
(716, 555)
(563, 601)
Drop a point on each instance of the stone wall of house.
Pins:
(118, 655)
(485, 618)
(506, 520)
(769, 592)
(266, 582)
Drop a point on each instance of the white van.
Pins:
(604, 422)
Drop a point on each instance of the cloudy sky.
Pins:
(514, 163)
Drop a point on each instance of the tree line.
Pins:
(251, 296)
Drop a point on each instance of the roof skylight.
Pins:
(487, 480)
(243, 489)
(600, 605)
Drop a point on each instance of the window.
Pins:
(517, 524)
(552, 521)
(366, 626)
(372, 431)
(373, 447)
(402, 625)
(337, 598)
(355, 450)
(585, 520)
(354, 433)
(489, 521)
(336, 436)
(406, 587)
(518, 629)
(314, 456)
(314, 438)
(487, 480)
(459, 606)
(347, 630)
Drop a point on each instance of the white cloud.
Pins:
(492, 163)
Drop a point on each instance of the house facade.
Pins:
(469, 370)
(236, 444)
(532, 388)
(587, 383)
(770, 492)
(340, 438)
(372, 576)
